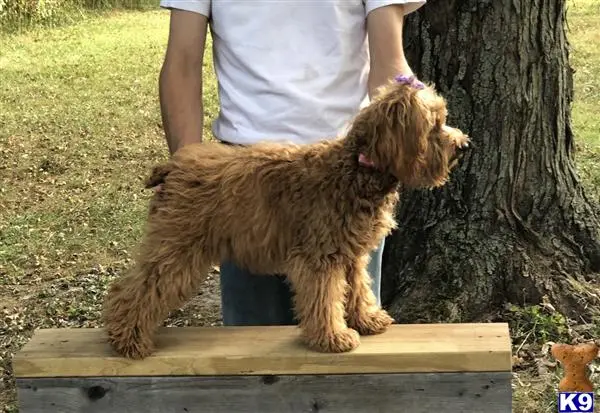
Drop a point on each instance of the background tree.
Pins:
(514, 224)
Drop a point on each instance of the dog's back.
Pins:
(262, 204)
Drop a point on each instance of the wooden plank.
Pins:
(268, 350)
(488, 392)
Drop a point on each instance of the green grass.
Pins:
(19, 15)
(80, 121)
(584, 35)
(80, 128)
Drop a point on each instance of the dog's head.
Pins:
(403, 132)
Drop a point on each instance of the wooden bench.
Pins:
(430, 368)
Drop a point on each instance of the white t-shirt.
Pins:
(288, 70)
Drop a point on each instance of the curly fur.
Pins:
(312, 212)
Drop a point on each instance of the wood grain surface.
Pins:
(215, 351)
(483, 392)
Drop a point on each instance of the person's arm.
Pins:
(384, 28)
(180, 81)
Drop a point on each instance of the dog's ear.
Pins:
(402, 131)
(396, 128)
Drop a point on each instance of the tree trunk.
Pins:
(514, 224)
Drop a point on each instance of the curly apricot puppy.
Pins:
(311, 212)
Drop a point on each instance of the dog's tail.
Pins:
(158, 175)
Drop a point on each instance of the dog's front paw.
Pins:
(335, 342)
(370, 323)
(131, 349)
(128, 343)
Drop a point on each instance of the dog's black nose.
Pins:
(467, 146)
(461, 150)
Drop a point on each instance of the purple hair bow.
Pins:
(410, 80)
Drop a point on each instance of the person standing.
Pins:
(287, 70)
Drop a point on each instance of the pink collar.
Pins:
(363, 160)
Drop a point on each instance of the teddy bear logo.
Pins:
(574, 359)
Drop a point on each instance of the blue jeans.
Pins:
(255, 300)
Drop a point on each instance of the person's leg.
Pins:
(248, 299)
(254, 300)
(374, 269)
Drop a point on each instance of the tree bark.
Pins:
(513, 224)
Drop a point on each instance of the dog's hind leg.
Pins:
(362, 312)
(319, 306)
(166, 275)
